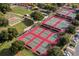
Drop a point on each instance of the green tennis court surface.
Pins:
(27, 38)
(38, 30)
(53, 37)
(72, 15)
(43, 48)
(35, 42)
(45, 33)
(51, 21)
(62, 25)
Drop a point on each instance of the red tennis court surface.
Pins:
(56, 22)
(39, 39)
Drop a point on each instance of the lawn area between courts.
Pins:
(20, 27)
(25, 52)
(21, 10)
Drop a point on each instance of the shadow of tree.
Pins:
(6, 52)
(28, 22)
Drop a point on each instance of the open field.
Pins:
(21, 10)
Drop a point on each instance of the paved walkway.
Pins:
(77, 50)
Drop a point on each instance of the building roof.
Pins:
(39, 39)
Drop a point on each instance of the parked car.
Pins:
(67, 53)
(76, 37)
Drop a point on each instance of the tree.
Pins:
(1, 15)
(74, 6)
(3, 36)
(7, 35)
(3, 22)
(28, 22)
(16, 46)
(63, 41)
(4, 7)
(56, 51)
(77, 17)
(71, 29)
(75, 23)
(41, 5)
(61, 33)
(37, 16)
(12, 32)
(50, 7)
(60, 4)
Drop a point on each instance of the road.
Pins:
(77, 47)
(77, 50)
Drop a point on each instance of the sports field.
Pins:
(39, 39)
(56, 22)
(67, 12)
(21, 10)
(13, 18)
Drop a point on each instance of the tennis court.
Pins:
(62, 25)
(43, 48)
(64, 12)
(72, 15)
(39, 39)
(67, 12)
(56, 22)
(13, 18)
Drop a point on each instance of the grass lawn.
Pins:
(25, 52)
(20, 27)
(21, 10)
(4, 50)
